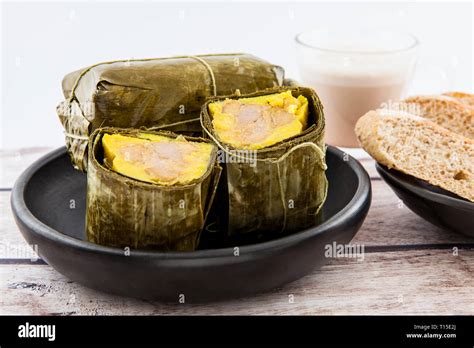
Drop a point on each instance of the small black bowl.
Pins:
(440, 207)
(48, 202)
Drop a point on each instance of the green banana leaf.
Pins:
(277, 189)
(124, 212)
(159, 93)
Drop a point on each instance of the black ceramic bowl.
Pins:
(438, 206)
(48, 202)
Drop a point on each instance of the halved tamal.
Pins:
(149, 190)
(160, 93)
(276, 183)
(258, 122)
(157, 159)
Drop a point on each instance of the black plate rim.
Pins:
(387, 174)
(19, 208)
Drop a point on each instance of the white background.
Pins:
(42, 41)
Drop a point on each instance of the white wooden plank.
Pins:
(409, 282)
(15, 161)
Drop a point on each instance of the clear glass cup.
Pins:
(354, 72)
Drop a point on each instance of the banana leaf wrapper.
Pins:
(283, 189)
(159, 93)
(124, 212)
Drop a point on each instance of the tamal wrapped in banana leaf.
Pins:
(149, 189)
(160, 93)
(274, 165)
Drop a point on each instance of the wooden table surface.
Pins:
(409, 267)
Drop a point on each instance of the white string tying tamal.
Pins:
(75, 136)
(211, 73)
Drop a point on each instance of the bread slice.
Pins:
(419, 147)
(462, 97)
(446, 111)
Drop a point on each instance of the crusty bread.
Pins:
(446, 111)
(465, 98)
(419, 147)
